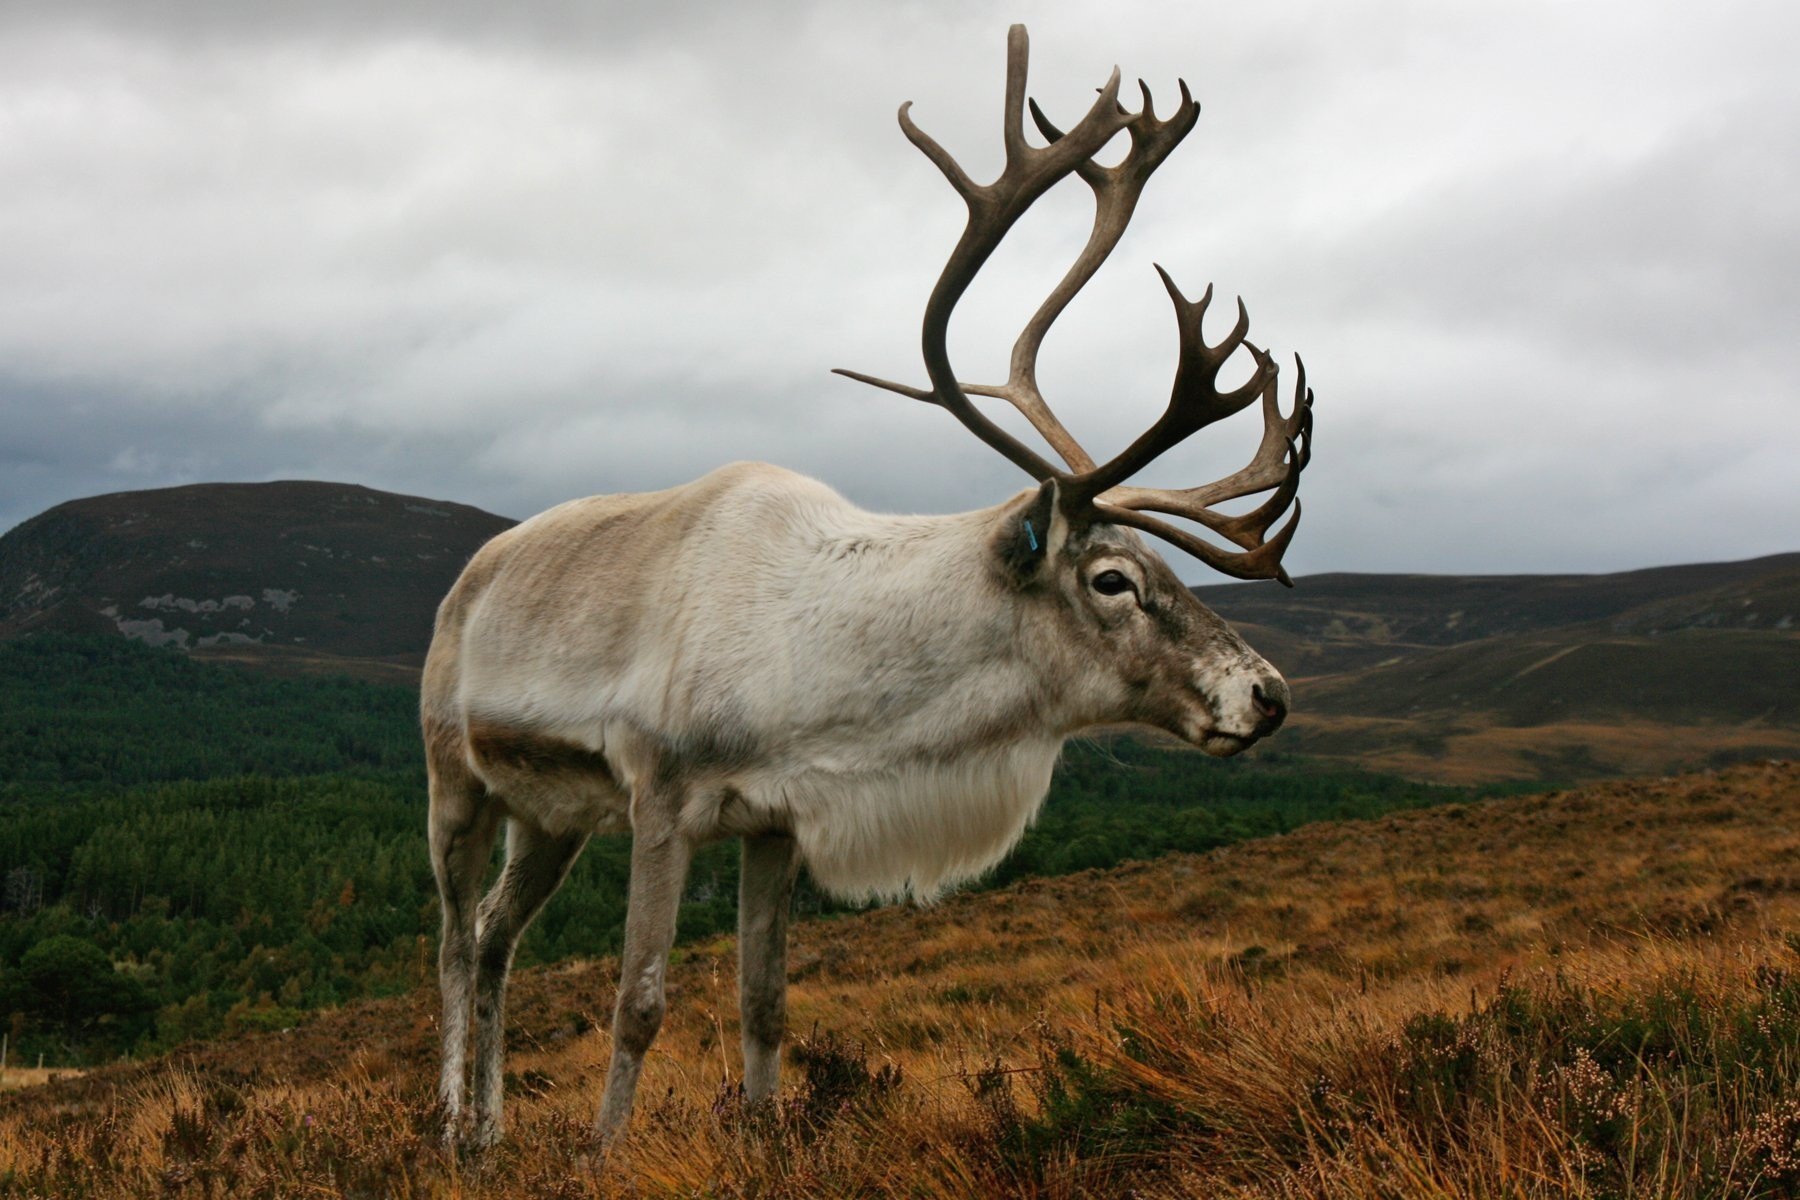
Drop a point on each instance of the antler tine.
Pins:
(1282, 455)
(1267, 468)
(993, 209)
(1116, 192)
(1263, 562)
(1195, 401)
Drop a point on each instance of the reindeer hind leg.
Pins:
(463, 822)
(536, 864)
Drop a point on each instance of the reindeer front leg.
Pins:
(660, 856)
(765, 885)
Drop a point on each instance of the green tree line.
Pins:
(109, 710)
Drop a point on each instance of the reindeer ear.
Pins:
(1033, 534)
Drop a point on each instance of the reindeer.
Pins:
(878, 698)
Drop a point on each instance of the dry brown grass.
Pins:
(1582, 994)
(1473, 748)
(26, 1077)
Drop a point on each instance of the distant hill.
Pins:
(286, 573)
(1444, 610)
(1557, 676)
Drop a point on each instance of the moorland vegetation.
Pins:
(1584, 994)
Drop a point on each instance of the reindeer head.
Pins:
(1121, 638)
(1150, 652)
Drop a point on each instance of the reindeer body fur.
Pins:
(816, 670)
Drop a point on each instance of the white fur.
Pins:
(858, 657)
(914, 831)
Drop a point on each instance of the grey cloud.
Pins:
(610, 27)
(1684, 245)
(1537, 259)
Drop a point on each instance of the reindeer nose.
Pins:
(1271, 700)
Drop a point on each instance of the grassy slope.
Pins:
(1552, 678)
(1564, 704)
(1585, 993)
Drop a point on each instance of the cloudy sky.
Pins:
(1541, 258)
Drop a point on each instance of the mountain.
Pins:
(289, 574)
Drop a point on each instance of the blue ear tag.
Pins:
(1031, 535)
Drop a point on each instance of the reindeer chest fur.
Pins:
(875, 829)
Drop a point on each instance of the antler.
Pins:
(1285, 450)
(1194, 403)
(1090, 492)
(993, 208)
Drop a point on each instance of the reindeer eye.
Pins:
(1111, 583)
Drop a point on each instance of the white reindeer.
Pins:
(879, 698)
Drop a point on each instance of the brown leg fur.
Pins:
(660, 856)
(536, 864)
(765, 886)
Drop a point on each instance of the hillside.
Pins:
(1563, 704)
(1444, 610)
(1586, 993)
(294, 574)
(1547, 677)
